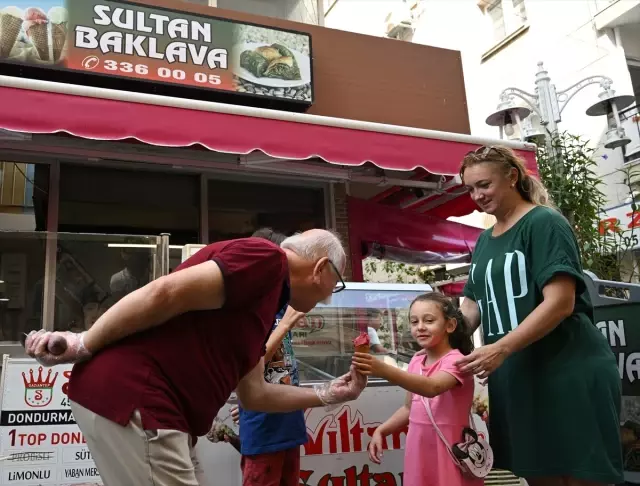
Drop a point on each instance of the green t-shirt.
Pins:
(554, 406)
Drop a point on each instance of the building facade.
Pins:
(501, 43)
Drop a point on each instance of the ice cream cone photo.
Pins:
(36, 26)
(10, 26)
(58, 22)
(362, 343)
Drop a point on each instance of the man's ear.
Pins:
(319, 267)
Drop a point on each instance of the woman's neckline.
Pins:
(514, 225)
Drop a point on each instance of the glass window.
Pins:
(237, 209)
(22, 263)
(496, 15)
(101, 200)
(323, 341)
(93, 272)
(506, 17)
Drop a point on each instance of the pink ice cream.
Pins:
(34, 16)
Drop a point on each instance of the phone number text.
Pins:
(162, 72)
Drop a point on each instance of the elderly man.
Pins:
(155, 369)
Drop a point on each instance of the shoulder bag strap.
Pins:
(427, 406)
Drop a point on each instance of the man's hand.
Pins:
(235, 414)
(291, 318)
(54, 348)
(343, 389)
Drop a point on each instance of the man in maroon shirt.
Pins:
(154, 370)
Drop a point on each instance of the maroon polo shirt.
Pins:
(179, 374)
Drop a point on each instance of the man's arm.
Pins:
(200, 287)
(256, 394)
(471, 313)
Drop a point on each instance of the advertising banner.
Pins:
(127, 40)
(336, 451)
(39, 441)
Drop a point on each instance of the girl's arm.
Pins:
(398, 420)
(425, 386)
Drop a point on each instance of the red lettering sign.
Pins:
(65, 387)
(343, 433)
(609, 224)
(635, 219)
(351, 477)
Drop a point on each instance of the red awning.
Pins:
(405, 231)
(41, 107)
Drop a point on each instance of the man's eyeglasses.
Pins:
(340, 286)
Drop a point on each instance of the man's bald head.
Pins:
(312, 257)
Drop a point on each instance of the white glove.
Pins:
(54, 348)
(343, 389)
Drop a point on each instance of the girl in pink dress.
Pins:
(438, 327)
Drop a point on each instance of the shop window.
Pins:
(130, 202)
(237, 209)
(22, 264)
(323, 341)
(93, 272)
(16, 184)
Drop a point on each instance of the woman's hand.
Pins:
(483, 361)
(368, 365)
(375, 447)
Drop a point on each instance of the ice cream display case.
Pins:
(323, 340)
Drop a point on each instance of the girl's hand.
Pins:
(291, 318)
(375, 447)
(483, 361)
(368, 365)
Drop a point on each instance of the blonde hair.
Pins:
(530, 188)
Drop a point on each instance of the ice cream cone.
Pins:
(40, 39)
(9, 30)
(364, 348)
(361, 344)
(59, 38)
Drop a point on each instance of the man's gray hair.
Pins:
(315, 244)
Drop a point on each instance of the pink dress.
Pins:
(426, 460)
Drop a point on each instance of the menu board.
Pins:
(122, 39)
(40, 444)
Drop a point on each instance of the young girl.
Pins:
(437, 326)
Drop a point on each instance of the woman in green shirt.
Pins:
(554, 387)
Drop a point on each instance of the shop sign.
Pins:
(39, 440)
(619, 325)
(127, 40)
(621, 223)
